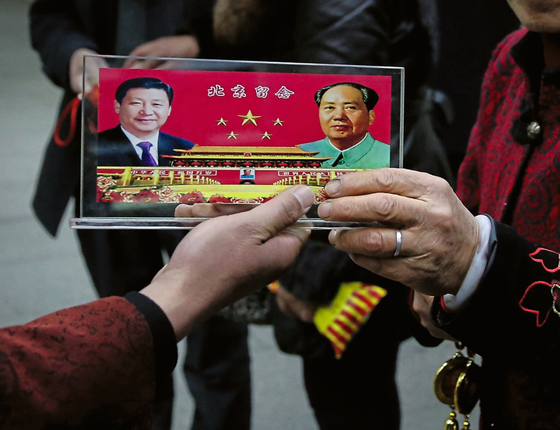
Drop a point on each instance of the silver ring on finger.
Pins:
(398, 247)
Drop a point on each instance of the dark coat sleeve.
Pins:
(370, 32)
(515, 307)
(57, 31)
(91, 366)
(114, 149)
(348, 32)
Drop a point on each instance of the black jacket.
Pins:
(114, 148)
(58, 28)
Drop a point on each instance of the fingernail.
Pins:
(305, 196)
(324, 209)
(333, 236)
(179, 209)
(333, 187)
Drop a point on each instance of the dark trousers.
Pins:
(218, 375)
(357, 391)
(217, 362)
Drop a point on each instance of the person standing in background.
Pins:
(62, 32)
(464, 56)
(359, 390)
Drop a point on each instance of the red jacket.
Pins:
(514, 175)
(91, 366)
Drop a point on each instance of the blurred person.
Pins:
(463, 57)
(95, 365)
(359, 390)
(494, 277)
(63, 32)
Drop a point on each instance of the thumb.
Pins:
(283, 210)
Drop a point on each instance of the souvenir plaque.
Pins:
(231, 132)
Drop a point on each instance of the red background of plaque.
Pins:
(195, 114)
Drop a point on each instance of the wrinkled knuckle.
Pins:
(443, 215)
(343, 208)
(384, 206)
(441, 183)
(385, 178)
(370, 241)
(438, 185)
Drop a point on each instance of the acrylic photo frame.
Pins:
(246, 120)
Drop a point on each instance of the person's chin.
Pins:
(338, 137)
(145, 123)
(337, 134)
(149, 128)
(539, 21)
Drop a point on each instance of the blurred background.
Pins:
(40, 274)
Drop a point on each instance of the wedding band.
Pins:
(399, 243)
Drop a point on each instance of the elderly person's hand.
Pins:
(421, 305)
(228, 257)
(439, 235)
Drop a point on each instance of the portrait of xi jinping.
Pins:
(143, 105)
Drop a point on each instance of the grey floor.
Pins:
(40, 274)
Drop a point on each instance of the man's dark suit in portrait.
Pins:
(115, 148)
(143, 105)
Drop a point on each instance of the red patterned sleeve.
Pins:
(479, 154)
(90, 366)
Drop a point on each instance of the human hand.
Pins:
(210, 210)
(226, 258)
(439, 235)
(294, 307)
(91, 75)
(183, 46)
(421, 305)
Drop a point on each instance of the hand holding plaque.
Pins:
(439, 235)
(252, 249)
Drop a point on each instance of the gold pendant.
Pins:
(451, 423)
(456, 385)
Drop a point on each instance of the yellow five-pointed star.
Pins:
(266, 135)
(222, 121)
(278, 121)
(232, 135)
(249, 118)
